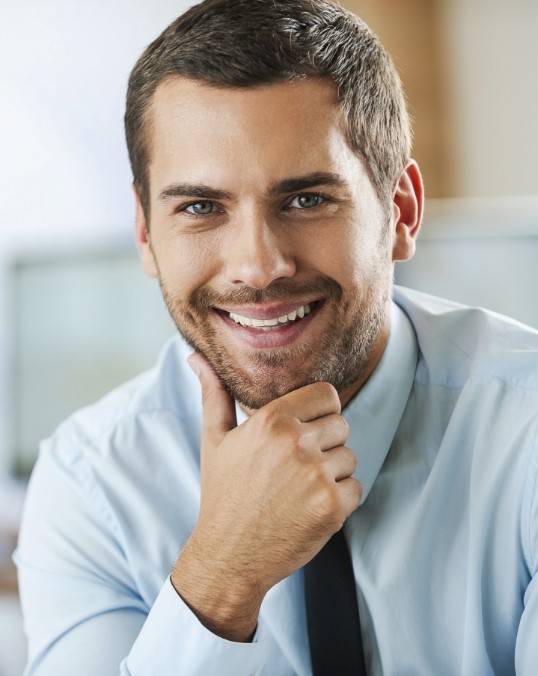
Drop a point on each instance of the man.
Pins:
(274, 188)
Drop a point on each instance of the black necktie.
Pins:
(332, 613)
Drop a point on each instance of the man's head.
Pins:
(248, 43)
(275, 221)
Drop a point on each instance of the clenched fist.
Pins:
(273, 491)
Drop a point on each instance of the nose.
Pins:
(258, 253)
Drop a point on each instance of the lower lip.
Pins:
(279, 337)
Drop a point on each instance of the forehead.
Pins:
(257, 132)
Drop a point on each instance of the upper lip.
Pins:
(266, 310)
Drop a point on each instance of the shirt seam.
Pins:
(475, 377)
(91, 440)
(532, 484)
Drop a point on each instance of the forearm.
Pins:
(223, 600)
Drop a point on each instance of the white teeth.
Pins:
(244, 321)
(268, 324)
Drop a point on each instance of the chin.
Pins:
(342, 354)
(255, 389)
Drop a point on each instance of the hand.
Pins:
(273, 491)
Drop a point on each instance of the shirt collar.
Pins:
(375, 412)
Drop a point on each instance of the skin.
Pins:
(258, 206)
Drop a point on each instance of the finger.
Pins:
(310, 402)
(340, 463)
(351, 494)
(326, 432)
(218, 406)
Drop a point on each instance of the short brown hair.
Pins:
(246, 43)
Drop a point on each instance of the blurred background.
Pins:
(77, 316)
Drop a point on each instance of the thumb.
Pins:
(218, 406)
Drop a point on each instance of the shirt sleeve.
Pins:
(83, 613)
(202, 652)
(526, 657)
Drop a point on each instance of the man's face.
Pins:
(272, 248)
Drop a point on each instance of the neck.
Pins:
(349, 392)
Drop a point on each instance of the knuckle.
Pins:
(269, 418)
(352, 458)
(345, 426)
(207, 394)
(301, 443)
(357, 493)
(333, 503)
(328, 393)
(328, 501)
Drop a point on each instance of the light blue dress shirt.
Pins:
(444, 544)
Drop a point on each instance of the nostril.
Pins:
(255, 255)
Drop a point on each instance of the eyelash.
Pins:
(323, 199)
(193, 204)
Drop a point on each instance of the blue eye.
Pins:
(203, 208)
(306, 201)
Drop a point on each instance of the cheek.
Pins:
(341, 254)
(185, 264)
(358, 259)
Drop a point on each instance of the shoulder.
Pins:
(135, 418)
(476, 395)
(458, 343)
(122, 478)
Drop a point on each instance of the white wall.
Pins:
(63, 69)
(479, 251)
(64, 175)
(491, 92)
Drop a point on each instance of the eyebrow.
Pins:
(287, 185)
(192, 190)
(298, 183)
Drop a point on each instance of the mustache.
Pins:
(204, 299)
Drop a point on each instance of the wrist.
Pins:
(225, 602)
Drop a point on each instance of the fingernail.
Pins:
(193, 363)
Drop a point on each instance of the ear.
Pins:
(143, 242)
(408, 207)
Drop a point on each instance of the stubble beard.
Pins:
(340, 357)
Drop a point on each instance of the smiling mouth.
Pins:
(273, 323)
